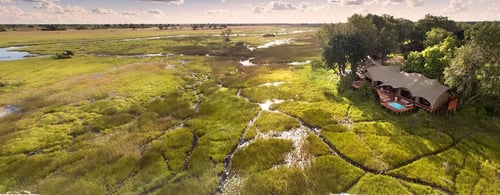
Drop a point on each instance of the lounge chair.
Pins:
(386, 99)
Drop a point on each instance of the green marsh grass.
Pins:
(271, 122)
(260, 156)
(127, 125)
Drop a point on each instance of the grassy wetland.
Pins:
(175, 112)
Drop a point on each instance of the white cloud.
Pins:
(49, 6)
(494, 9)
(361, 11)
(11, 10)
(176, 2)
(75, 9)
(217, 12)
(347, 2)
(390, 2)
(131, 13)
(155, 12)
(456, 6)
(353, 2)
(38, 1)
(101, 10)
(304, 5)
(409, 3)
(280, 5)
(415, 3)
(258, 10)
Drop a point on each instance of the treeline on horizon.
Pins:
(62, 27)
(462, 55)
(165, 26)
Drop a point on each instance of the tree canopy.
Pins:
(475, 72)
(343, 47)
(432, 60)
(436, 36)
(361, 36)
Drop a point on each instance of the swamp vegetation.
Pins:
(114, 120)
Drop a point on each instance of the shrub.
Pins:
(171, 107)
(344, 84)
(64, 55)
(318, 65)
(108, 121)
(366, 92)
(491, 105)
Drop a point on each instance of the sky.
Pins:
(235, 11)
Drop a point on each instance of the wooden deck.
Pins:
(386, 97)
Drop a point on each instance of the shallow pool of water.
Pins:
(8, 54)
(275, 84)
(8, 110)
(275, 43)
(266, 105)
(247, 62)
(299, 63)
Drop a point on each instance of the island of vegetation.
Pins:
(249, 109)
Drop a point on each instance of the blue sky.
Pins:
(236, 11)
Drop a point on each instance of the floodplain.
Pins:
(185, 112)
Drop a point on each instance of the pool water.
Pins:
(396, 105)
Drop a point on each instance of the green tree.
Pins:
(226, 33)
(335, 53)
(344, 48)
(436, 36)
(422, 26)
(366, 30)
(475, 72)
(317, 65)
(379, 36)
(385, 36)
(429, 22)
(433, 60)
(414, 62)
(461, 74)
